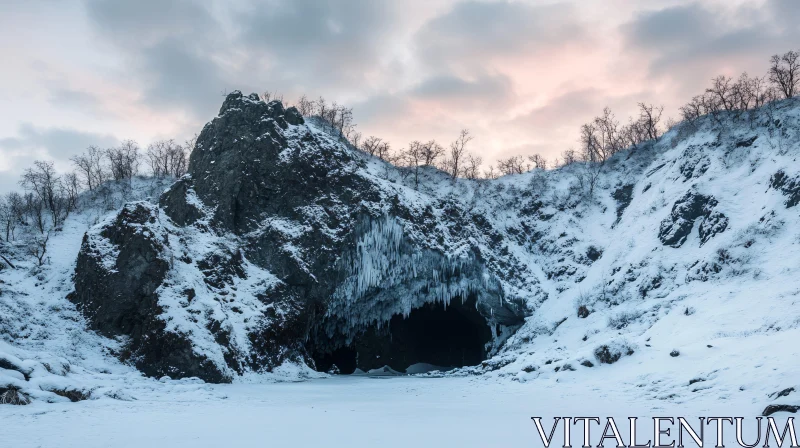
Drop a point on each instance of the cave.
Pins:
(452, 335)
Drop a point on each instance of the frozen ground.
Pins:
(342, 411)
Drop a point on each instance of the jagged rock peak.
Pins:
(254, 103)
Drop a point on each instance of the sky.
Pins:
(522, 75)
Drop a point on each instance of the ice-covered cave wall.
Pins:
(385, 277)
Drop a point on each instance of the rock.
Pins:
(179, 203)
(587, 363)
(783, 393)
(789, 186)
(623, 195)
(13, 396)
(120, 266)
(685, 212)
(583, 312)
(594, 253)
(746, 143)
(609, 354)
(674, 353)
(272, 193)
(74, 395)
(713, 224)
(773, 408)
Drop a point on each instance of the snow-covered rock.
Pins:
(284, 245)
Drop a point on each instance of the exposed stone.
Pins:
(292, 199)
(623, 195)
(120, 299)
(176, 205)
(789, 186)
(685, 212)
(608, 354)
(773, 408)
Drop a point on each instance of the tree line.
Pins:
(599, 139)
(47, 198)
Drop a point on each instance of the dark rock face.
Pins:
(177, 206)
(118, 271)
(686, 211)
(623, 195)
(132, 280)
(789, 186)
(274, 197)
(773, 408)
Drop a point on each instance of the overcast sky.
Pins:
(521, 75)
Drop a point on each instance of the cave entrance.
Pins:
(455, 335)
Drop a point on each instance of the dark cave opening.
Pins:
(447, 336)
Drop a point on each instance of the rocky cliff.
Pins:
(285, 244)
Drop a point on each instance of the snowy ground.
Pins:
(341, 411)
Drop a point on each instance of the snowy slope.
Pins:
(676, 275)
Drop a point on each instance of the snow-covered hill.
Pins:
(670, 268)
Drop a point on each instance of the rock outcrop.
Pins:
(284, 243)
(269, 197)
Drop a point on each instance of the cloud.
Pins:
(77, 100)
(474, 31)
(143, 23)
(321, 42)
(706, 39)
(56, 144)
(179, 76)
(455, 87)
(171, 50)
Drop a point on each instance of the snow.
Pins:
(724, 305)
(353, 412)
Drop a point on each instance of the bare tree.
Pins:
(355, 140)
(157, 157)
(268, 96)
(431, 151)
(513, 165)
(784, 73)
(588, 176)
(491, 173)
(37, 247)
(321, 107)
(167, 158)
(722, 91)
(458, 149)
(71, 187)
(305, 106)
(124, 160)
(12, 209)
(90, 167)
(693, 109)
(385, 153)
(372, 145)
(34, 211)
(472, 166)
(43, 181)
(568, 157)
(414, 156)
(538, 161)
(590, 144)
(649, 119)
(608, 140)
